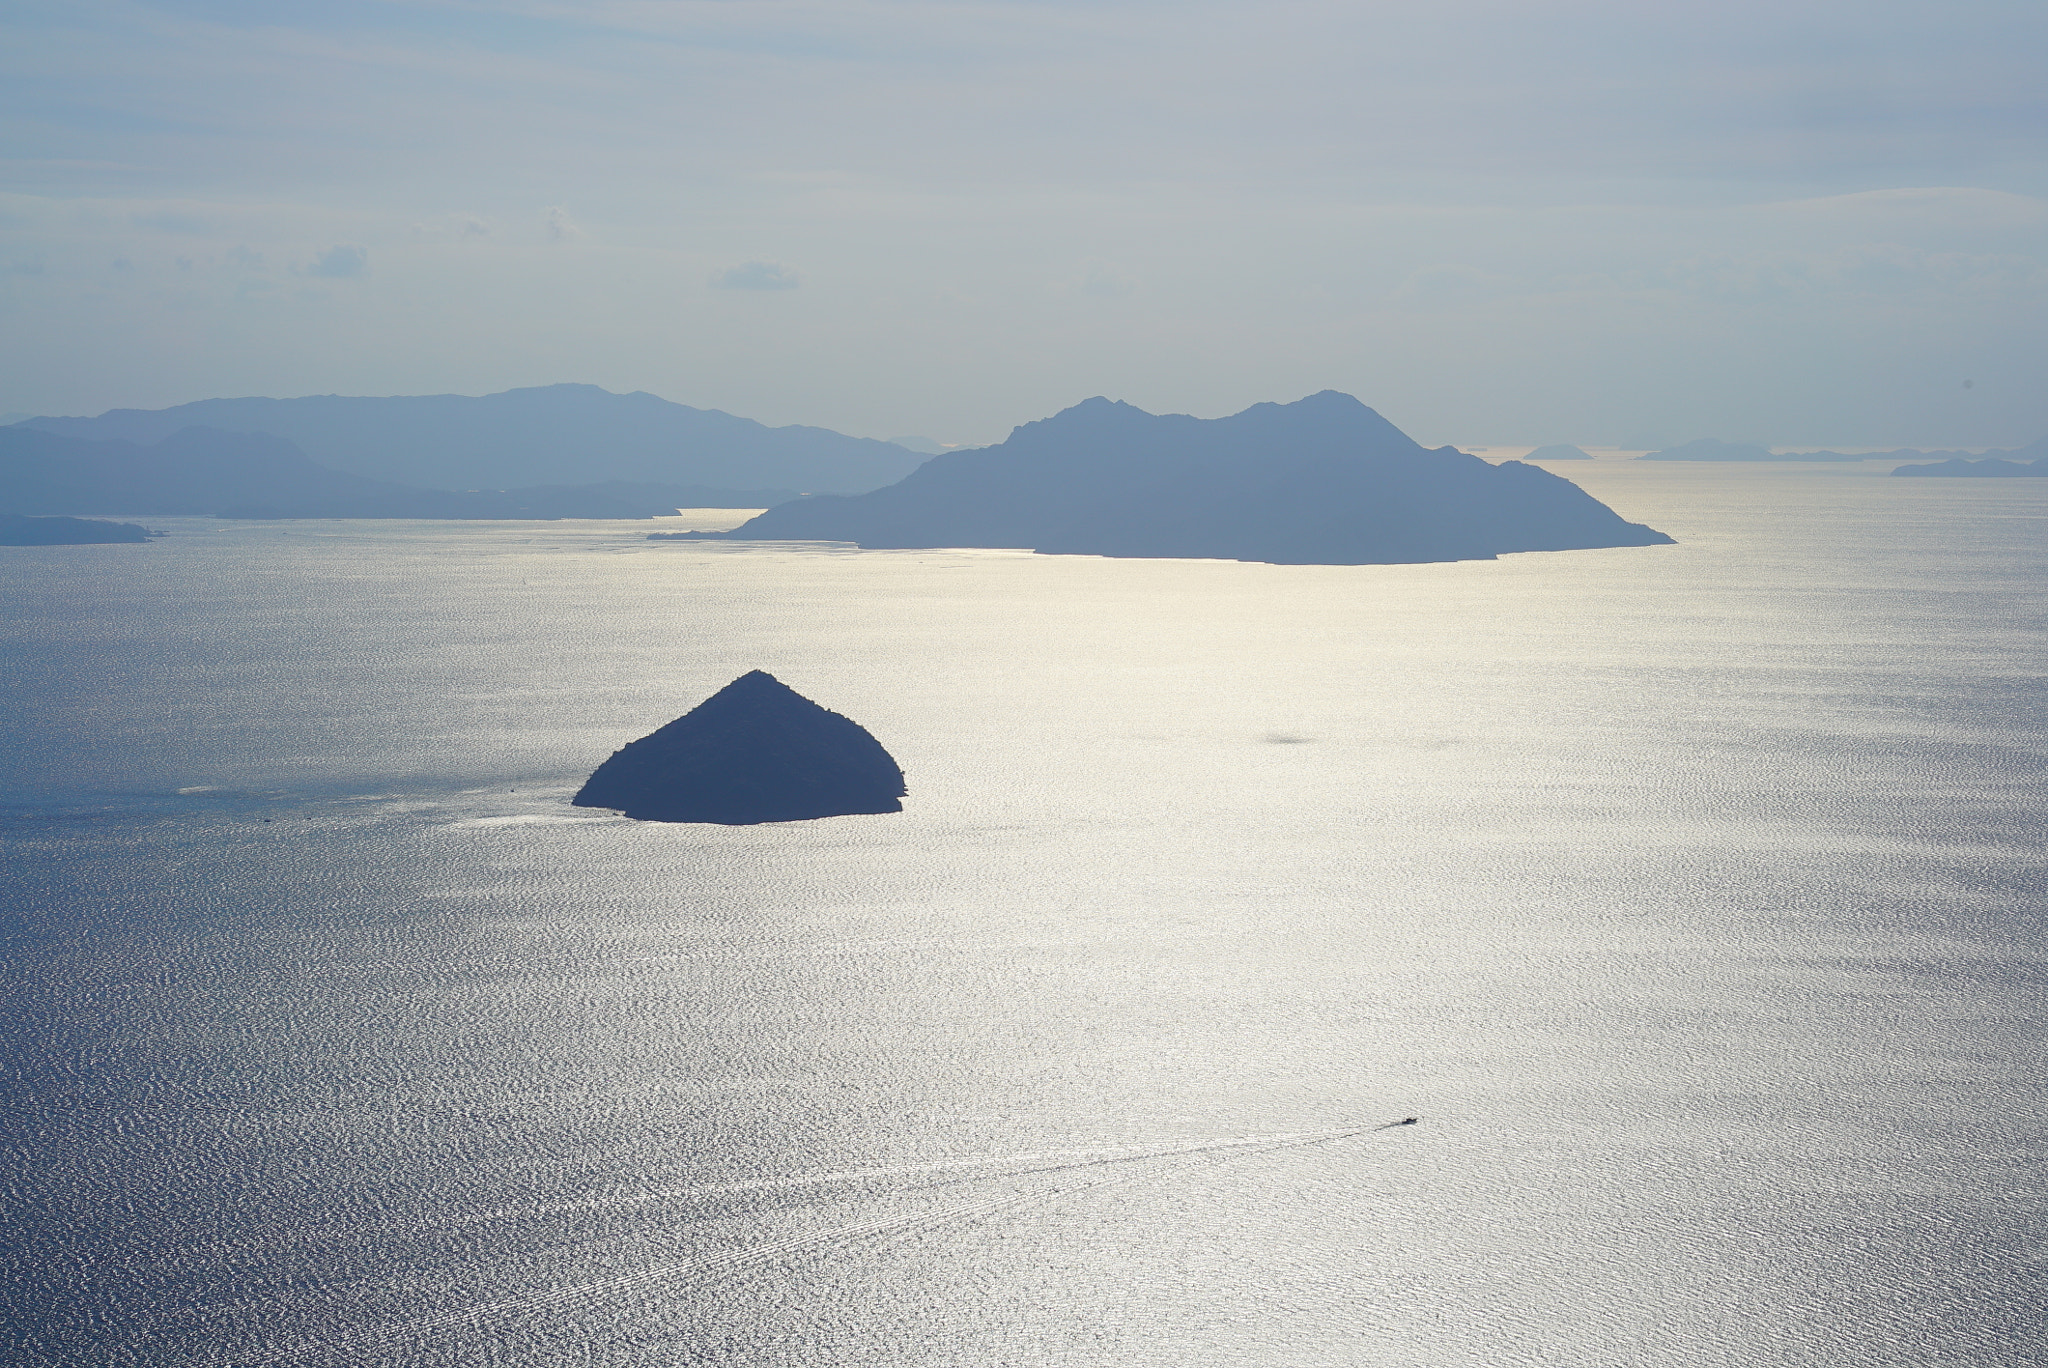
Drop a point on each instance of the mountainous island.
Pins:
(1322, 481)
(257, 475)
(576, 435)
(18, 530)
(1558, 451)
(755, 751)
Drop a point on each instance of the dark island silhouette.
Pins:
(18, 530)
(755, 751)
(548, 435)
(1323, 481)
(255, 475)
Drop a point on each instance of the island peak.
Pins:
(755, 751)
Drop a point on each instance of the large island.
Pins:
(1322, 481)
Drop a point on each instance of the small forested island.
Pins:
(1322, 481)
(19, 530)
(755, 751)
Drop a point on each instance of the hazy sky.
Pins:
(1495, 222)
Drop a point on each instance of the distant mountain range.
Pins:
(256, 475)
(1324, 480)
(576, 435)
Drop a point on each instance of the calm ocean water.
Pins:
(1692, 898)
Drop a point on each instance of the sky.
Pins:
(1615, 224)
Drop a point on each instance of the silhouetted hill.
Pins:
(755, 751)
(1557, 451)
(254, 475)
(555, 434)
(1322, 481)
(27, 531)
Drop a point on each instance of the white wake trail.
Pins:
(1215, 1152)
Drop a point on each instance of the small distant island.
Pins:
(19, 530)
(1709, 449)
(1322, 481)
(1558, 451)
(755, 751)
(1988, 467)
(1944, 462)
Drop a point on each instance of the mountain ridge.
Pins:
(256, 475)
(568, 433)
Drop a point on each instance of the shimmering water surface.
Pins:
(1692, 897)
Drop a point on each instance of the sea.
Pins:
(1690, 900)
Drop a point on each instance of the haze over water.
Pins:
(1691, 897)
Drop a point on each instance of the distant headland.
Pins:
(1322, 481)
(550, 435)
(18, 530)
(199, 470)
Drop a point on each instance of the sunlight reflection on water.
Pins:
(1691, 896)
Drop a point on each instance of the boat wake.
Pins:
(1194, 1155)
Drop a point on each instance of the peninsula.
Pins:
(543, 436)
(17, 530)
(1322, 481)
(198, 470)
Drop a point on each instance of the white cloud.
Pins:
(1104, 281)
(342, 261)
(756, 275)
(559, 226)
